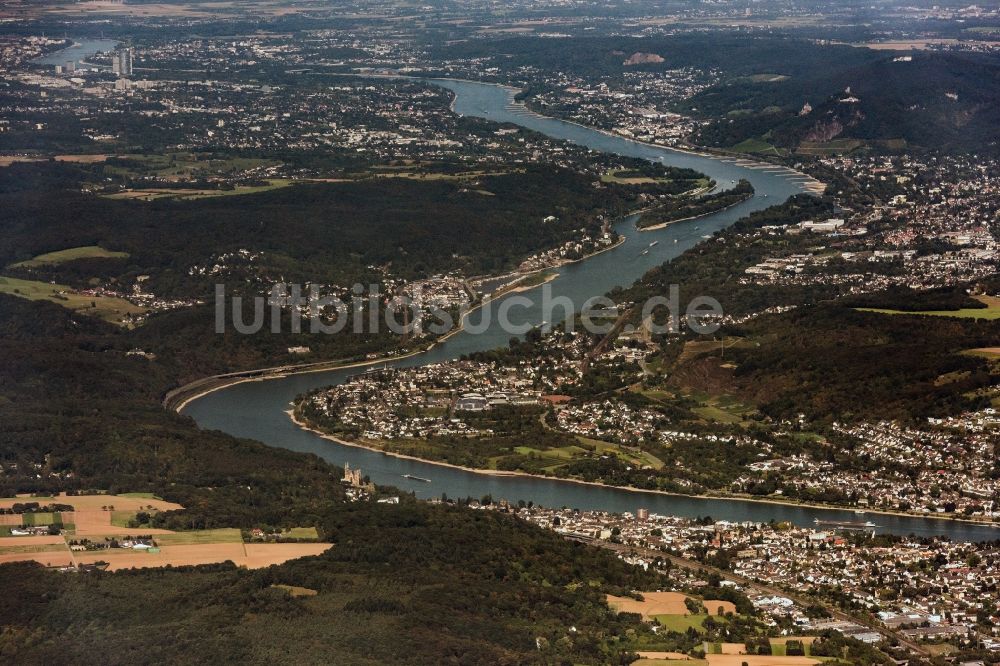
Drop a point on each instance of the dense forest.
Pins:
(321, 232)
(405, 584)
(333, 234)
(835, 363)
(409, 583)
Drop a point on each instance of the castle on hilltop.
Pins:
(355, 479)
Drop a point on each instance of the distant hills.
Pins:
(946, 101)
(792, 93)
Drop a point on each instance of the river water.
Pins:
(78, 52)
(257, 409)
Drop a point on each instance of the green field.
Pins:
(301, 533)
(106, 307)
(983, 30)
(561, 453)
(623, 177)
(221, 535)
(990, 312)
(186, 194)
(122, 518)
(551, 460)
(829, 147)
(185, 166)
(755, 146)
(640, 459)
(536, 279)
(43, 518)
(721, 408)
(681, 623)
(69, 254)
(631, 177)
(778, 644)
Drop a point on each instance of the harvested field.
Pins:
(6, 542)
(654, 603)
(47, 550)
(757, 660)
(49, 558)
(985, 351)
(713, 605)
(92, 519)
(78, 502)
(7, 160)
(265, 554)
(200, 537)
(253, 556)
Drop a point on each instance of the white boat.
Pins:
(653, 243)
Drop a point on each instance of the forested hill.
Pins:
(945, 101)
(323, 232)
(825, 359)
(369, 231)
(735, 54)
(408, 584)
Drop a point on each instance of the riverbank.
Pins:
(726, 497)
(738, 158)
(177, 399)
(519, 276)
(256, 411)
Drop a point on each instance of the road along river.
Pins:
(257, 409)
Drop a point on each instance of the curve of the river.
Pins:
(78, 52)
(257, 409)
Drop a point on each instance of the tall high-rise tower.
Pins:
(124, 61)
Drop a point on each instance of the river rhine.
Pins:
(257, 409)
